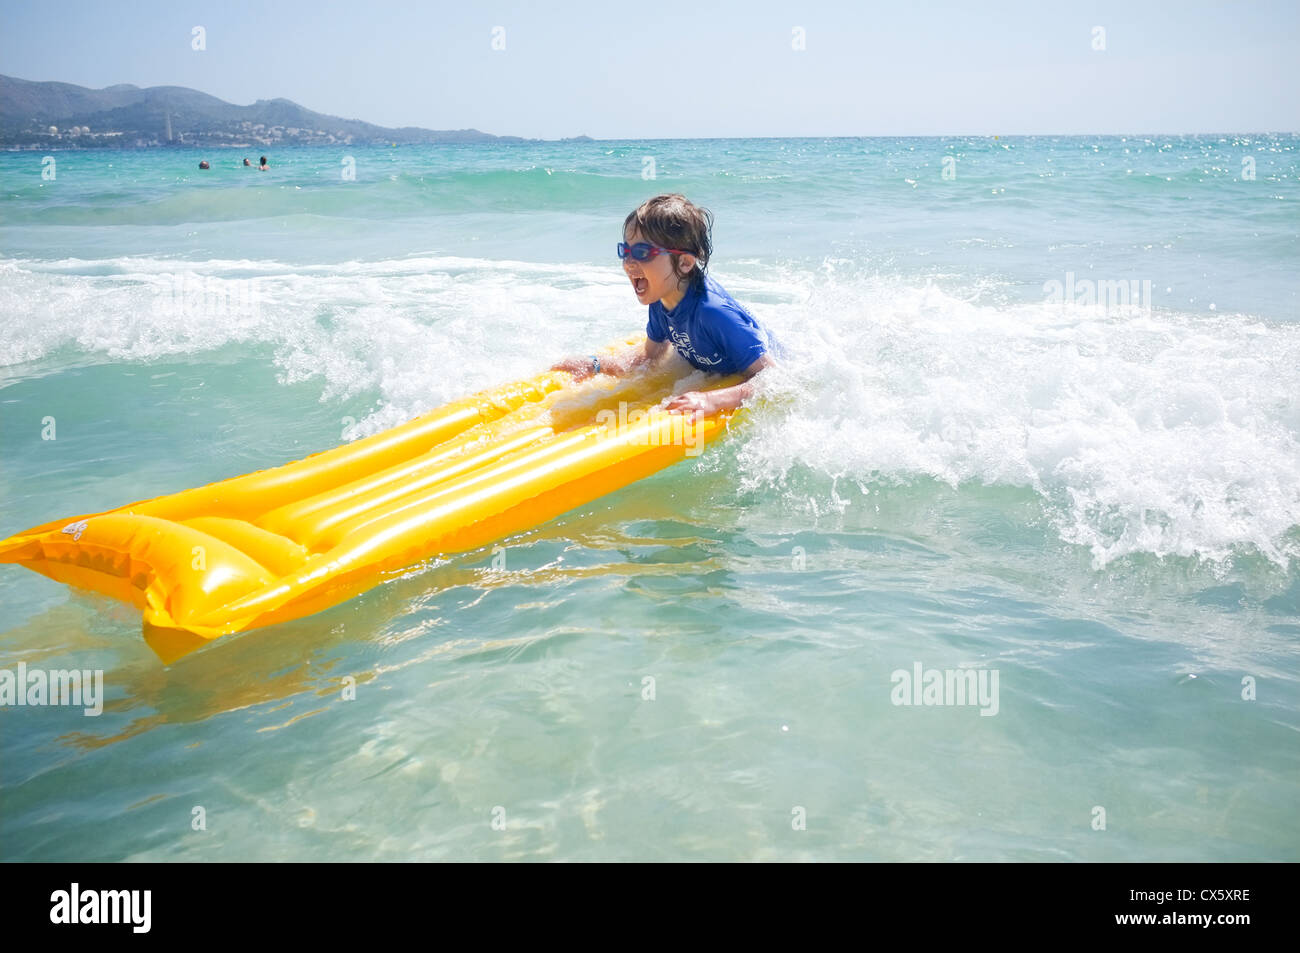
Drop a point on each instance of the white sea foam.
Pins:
(1166, 433)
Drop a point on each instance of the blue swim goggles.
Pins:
(644, 251)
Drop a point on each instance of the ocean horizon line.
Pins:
(515, 142)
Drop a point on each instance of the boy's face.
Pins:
(654, 280)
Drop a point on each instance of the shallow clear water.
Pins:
(951, 468)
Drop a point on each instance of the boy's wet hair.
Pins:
(673, 221)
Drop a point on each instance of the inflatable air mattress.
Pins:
(283, 543)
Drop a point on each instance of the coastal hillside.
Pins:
(49, 114)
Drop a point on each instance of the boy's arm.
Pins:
(726, 398)
(648, 352)
(617, 365)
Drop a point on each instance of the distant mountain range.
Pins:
(52, 115)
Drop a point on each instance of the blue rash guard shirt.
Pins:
(709, 329)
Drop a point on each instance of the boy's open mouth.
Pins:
(640, 285)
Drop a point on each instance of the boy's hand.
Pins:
(579, 367)
(694, 404)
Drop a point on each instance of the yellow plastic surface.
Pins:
(283, 543)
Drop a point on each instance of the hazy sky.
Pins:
(661, 70)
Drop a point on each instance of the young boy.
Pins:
(665, 251)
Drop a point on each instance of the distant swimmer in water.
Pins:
(203, 164)
(263, 167)
(248, 163)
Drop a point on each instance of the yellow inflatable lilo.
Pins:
(283, 543)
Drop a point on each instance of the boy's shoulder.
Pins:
(717, 297)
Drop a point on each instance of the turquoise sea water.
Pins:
(1097, 497)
